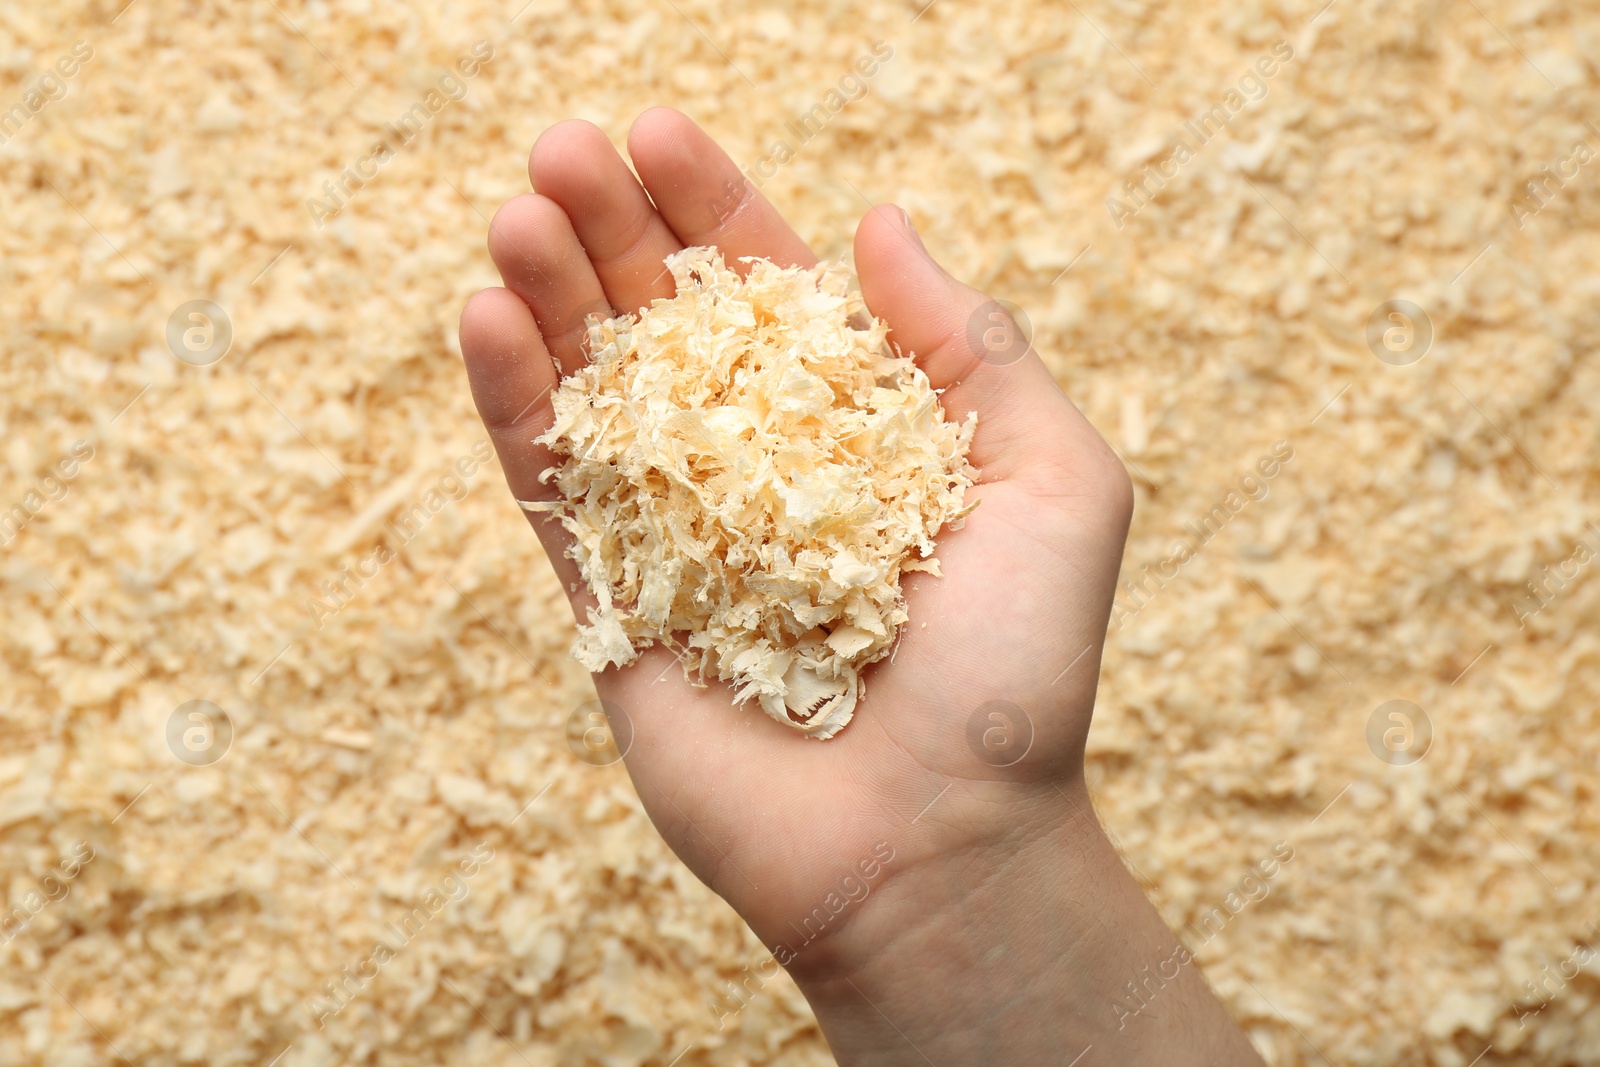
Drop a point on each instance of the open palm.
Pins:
(988, 695)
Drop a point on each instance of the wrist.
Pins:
(1017, 949)
(930, 892)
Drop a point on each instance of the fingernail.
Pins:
(917, 239)
(911, 228)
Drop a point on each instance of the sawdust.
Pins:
(744, 465)
(1432, 908)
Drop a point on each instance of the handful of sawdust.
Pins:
(745, 466)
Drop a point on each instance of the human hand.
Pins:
(774, 821)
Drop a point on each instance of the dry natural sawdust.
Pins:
(746, 466)
(302, 533)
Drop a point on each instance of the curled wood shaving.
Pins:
(746, 466)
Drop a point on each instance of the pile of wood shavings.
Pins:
(747, 465)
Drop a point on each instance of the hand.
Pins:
(771, 820)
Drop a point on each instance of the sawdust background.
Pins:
(418, 721)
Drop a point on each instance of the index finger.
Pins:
(704, 196)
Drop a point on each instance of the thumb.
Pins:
(972, 348)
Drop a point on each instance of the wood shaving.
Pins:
(745, 462)
(1430, 911)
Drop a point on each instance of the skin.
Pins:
(1003, 927)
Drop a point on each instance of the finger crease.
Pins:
(631, 248)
